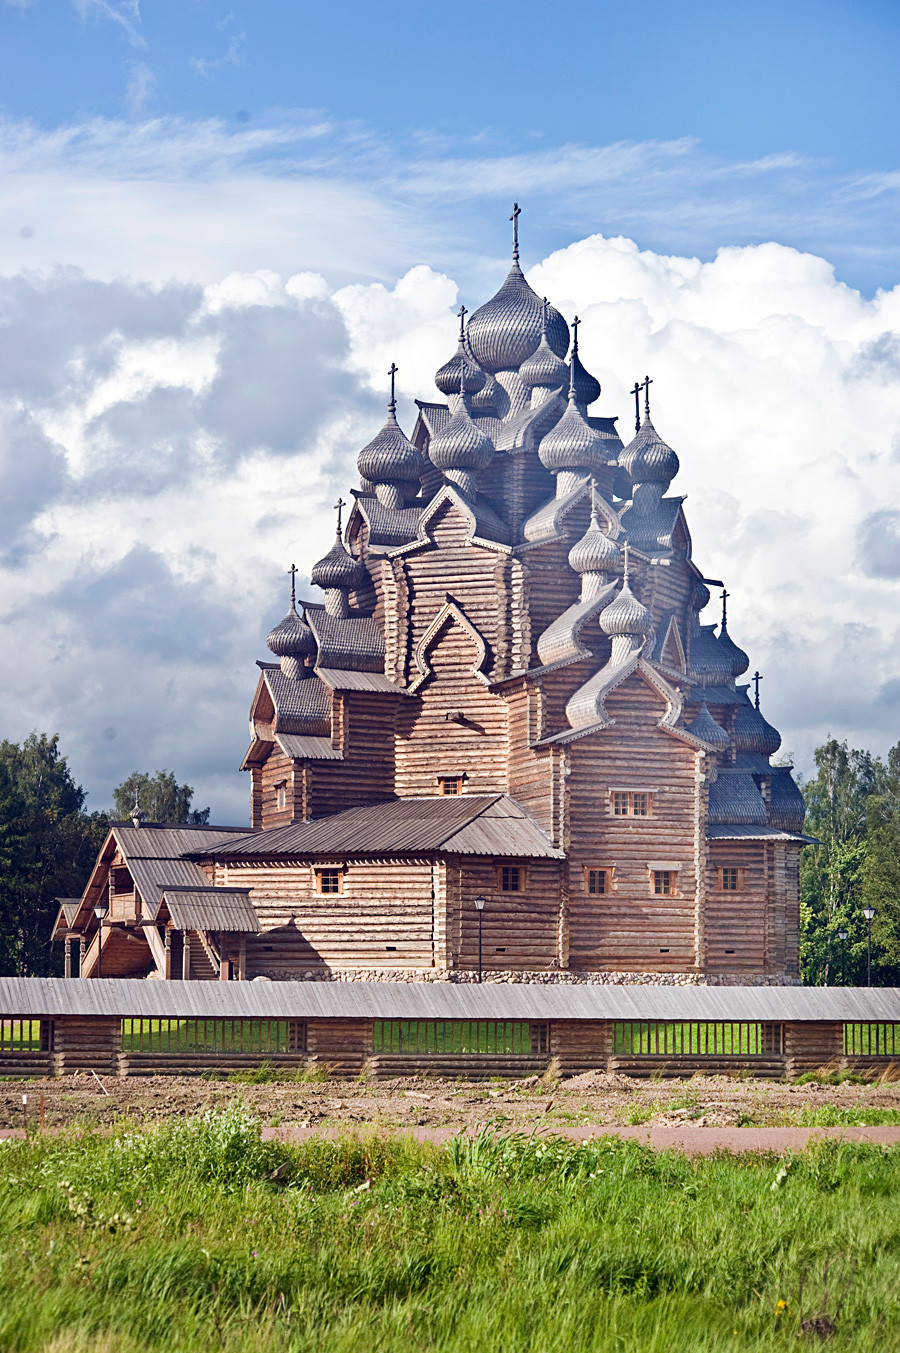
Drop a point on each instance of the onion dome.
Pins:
(700, 597)
(485, 401)
(587, 387)
(739, 660)
(461, 449)
(753, 733)
(507, 329)
(462, 363)
(292, 640)
(647, 458)
(595, 552)
(390, 458)
(706, 728)
(543, 369)
(625, 615)
(339, 569)
(710, 664)
(572, 445)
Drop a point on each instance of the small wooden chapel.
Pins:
(502, 740)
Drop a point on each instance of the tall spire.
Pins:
(516, 213)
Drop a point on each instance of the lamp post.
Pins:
(869, 912)
(842, 936)
(99, 911)
(479, 906)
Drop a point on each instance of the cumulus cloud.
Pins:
(171, 448)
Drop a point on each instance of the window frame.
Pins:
(445, 780)
(607, 873)
(521, 875)
(737, 871)
(320, 870)
(646, 797)
(280, 787)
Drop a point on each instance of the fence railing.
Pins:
(24, 1035)
(221, 1036)
(476, 1038)
(872, 1040)
(702, 1039)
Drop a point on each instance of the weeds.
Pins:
(198, 1235)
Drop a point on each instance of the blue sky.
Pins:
(220, 224)
(744, 121)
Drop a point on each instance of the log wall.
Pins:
(630, 928)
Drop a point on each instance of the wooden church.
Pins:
(502, 738)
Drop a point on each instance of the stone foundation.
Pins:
(554, 977)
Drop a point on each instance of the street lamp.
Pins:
(99, 911)
(479, 906)
(842, 936)
(869, 912)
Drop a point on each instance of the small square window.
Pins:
(511, 878)
(329, 881)
(663, 882)
(620, 804)
(450, 784)
(596, 881)
(640, 805)
(730, 880)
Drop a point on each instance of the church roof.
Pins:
(468, 824)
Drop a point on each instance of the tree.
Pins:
(832, 873)
(48, 845)
(881, 876)
(159, 796)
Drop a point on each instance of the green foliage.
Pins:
(198, 1235)
(853, 808)
(48, 845)
(159, 796)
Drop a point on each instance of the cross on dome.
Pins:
(462, 312)
(516, 213)
(392, 371)
(293, 572)
(646, 389)
(725, 596)
(637, 405)
(340, 504)
(757, 678)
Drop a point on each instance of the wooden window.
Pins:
(329, 881)
(450, 784)
(281, 794)
(511, 878)
(731, 879)
(663, 882)
(632, 803)
(597, 881)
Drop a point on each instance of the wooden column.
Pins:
(242, 958)
(223, 961)
(82, 948)
(185, 956)
(167, 940)
(68, 951)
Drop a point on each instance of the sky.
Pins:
(219, 224)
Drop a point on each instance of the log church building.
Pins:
(503, 738)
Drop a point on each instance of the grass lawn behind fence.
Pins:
(196, 1235)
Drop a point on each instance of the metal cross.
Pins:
(637, 405)
(341, 504)
(756, 680)
(392, 373)
(293, 573)
(646, 388)
(575, 323)
(725, 596)
(462, 312)
(625, 578)
(516, 213)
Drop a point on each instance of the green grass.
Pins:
(195, 1235)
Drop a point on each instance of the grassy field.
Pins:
(195, 1235)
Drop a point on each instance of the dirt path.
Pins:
(664, 1112)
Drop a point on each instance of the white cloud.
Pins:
(168, 450)
(141, 84)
